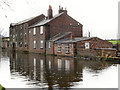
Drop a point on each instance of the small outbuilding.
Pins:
(83, 46)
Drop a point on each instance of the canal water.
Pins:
(20, 70)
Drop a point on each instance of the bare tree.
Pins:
(4, 3)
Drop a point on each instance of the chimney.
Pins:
(50, 15)
(61, 10)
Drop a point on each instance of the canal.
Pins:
(20, 70)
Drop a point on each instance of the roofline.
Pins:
(25, 20)
(48, 21)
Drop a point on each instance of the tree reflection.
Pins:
(52, 71)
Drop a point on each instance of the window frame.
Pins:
(49, 44)
(41, 44)
(34, 31)
(59, 48)
(41, 29)
(34, 44)
(67, 48)
(87, 45)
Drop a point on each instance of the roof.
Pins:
(105, 48)
(77, 39)
(59, 35)
(45, 21)
(24, 21)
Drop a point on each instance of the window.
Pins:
(20, 34)
(41, 44)
(34, 45)
(34, 31)
(59, 62)
(29, 31)
(20, 26)
(25, 35)
(41, 63)
(20, 44)
(49, 44)
(59, 47)
(41, 29)
(67, 65)
(16, 44)
(13, 36)
(25, 44)
(49, 64)
(34, 70)
(67, 48)
(87, 45)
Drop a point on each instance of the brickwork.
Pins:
(21, 33)
(65, 23)
(63, 52)
(51, 49)
(94, 43)
(37, 37)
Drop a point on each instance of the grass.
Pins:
(114, 41)
(1, 87)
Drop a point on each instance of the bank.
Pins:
(1, 87)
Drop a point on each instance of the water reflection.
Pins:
(52, 71)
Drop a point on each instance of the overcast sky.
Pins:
(100, 17)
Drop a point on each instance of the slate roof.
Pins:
(59, 35)
(45, 21)
(77, 39)
(26, 20)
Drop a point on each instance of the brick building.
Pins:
(32, 34)
(84, 46)
(19, 33)
(5, 42)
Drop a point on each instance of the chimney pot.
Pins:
(50, 14)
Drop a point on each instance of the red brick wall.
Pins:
(65, 23)
(51, 49)
(62, 53)
(94, 43)
(21, 38)
(38, 37)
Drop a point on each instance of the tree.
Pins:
(4, 3)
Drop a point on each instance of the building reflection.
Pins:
(52, 71)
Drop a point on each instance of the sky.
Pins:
(99, 17)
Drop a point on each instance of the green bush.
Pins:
(114, 41)
(1, 87)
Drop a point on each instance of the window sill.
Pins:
(67, 53)
(59, 51)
